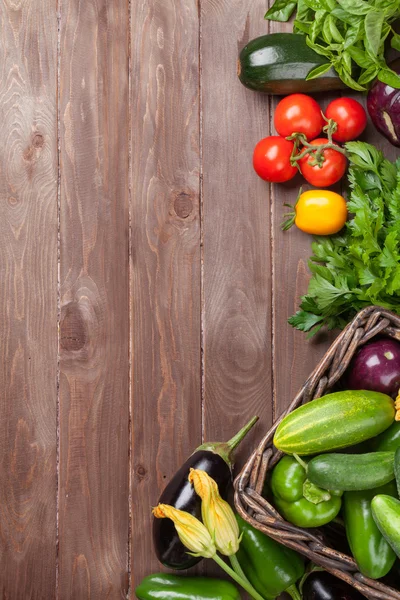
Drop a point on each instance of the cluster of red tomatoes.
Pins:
(299, 122)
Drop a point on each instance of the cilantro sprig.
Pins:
(351, 34)
(359, 266)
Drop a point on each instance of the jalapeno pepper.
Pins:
(372, 553)
(270, 567)
(287, 483)
(388, 440)
(173, 587)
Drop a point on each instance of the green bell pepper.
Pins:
(372, 553)
(270, 567)
(173, 587)
(287, 483)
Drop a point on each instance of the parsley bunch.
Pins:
(351, 35)
(359, 266)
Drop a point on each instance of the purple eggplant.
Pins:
(321, 585)
(376, 366)
(216, 459)
(383, 105)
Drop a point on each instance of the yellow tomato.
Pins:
(320, 212)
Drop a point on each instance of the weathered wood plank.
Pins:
(165, 263)
(94, 329)
(28, 298)
(294, 356)
(236, 217)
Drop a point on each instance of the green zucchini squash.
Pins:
(279, 63)
(351, 472)
(334, 421)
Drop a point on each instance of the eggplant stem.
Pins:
(242, 582)
(293, 592)
(235, 441)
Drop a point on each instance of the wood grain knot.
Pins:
(141, 472)
(38, 140)
(183, 204)
(73, 334)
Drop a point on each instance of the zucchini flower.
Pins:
(190, 530)
(216, 513)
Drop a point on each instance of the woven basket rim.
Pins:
(367, 324)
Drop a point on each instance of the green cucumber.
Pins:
(334, 421)
(388, 440)
(397, 469)
(386, 513)
(351, 472)
(279, 63)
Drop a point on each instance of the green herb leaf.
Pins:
(281, 10)
(368, 75)
(373, 31)
(389, 77)
(360, 57)
(355, 7)
(395, 41)
(318, 71)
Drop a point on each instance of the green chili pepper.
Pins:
(173, 587)
(287, 485)
(270, 567)
(372, 553)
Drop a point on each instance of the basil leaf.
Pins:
(303, 27)
(281, 10)
(347, 79)
(373, 31)
(345, 16)
(346, 62)
(304, 13)
(318, 48)
(317, 25)
(368, 75)
(395, 41)
(317, 71)
(360, 57)
(317, 4)
(389, 77)
(326, 30)
(356, 7)
(351, 36)
(337, 36)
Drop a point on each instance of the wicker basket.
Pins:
(249, 502)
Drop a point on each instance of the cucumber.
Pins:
(334, 421)
(279, 63)
(386, 513)
(351, 472)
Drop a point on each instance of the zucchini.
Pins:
(351, 472)
(279, 63)
(334, 421)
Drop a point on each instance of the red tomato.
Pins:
(350, 117)
(298, 113)
(332, 169)
(271, 159)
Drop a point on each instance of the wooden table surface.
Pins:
(145, 281)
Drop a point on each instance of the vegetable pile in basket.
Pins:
(342, 459)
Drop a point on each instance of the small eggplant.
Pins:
(383, 103)
(321, 585)
(216, 459)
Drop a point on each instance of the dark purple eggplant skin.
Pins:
(376, 366)
(383, 104)
(321, 585)
(180, 493)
